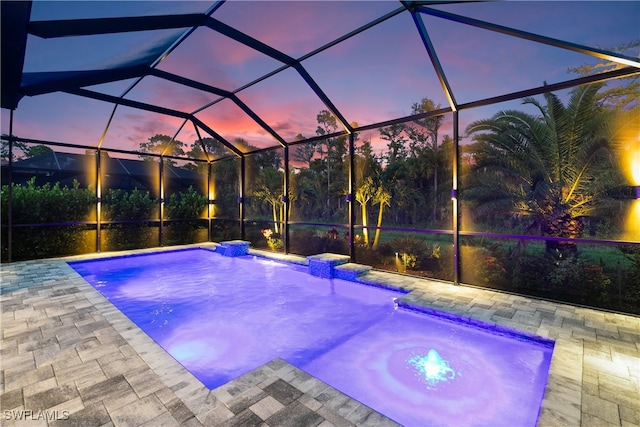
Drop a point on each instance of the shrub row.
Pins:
(41, 217)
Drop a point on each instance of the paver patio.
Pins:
(70, 358)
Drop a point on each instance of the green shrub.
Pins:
(48, 204)
(570, 279)
(119, 205)
(187, 205)
(309, 242)
(629, 292)
(135, 205)
(416, 254)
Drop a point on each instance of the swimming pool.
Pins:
(222, 317)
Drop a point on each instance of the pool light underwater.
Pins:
(432, 368)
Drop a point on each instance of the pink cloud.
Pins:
(296, 27)
(155, 91)
(131, 127)
(285, 98)
(61, 117)
(230, 122)
(217, 60)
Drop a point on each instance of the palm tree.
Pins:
(269, 190)
(553, 169)
(274, 198)
(364, 193)
(383, 198)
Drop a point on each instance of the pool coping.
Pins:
(593, 378)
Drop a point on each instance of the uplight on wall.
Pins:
(631, 157)
(632, 225)
(634, 164)
(212, 208)
(627, 137)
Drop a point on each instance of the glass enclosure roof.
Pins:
(255, 74)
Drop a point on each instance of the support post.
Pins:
(454, 200)
(241, 196)
(286, 201)
(98, 200)
(210, 200)
(351, 197)
(161, 232)
(10, 191)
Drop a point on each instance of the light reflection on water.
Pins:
(222, 317)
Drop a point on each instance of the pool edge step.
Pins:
(351, 271)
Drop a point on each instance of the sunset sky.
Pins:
(374, 76)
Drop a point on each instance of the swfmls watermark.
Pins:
(29, 415)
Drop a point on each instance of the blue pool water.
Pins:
(221, 317)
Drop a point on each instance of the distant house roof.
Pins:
(117, 172)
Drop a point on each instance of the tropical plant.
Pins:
(382, 197)
(273, 240)
(270, 192)
(273, 198)
(553, 169)
(364, 193)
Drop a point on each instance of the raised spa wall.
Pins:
(325, 265)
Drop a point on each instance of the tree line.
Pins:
(552, 173)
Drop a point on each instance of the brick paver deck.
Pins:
(70, 358)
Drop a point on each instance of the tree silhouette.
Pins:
(163, 145)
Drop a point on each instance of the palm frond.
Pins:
(540, 165)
